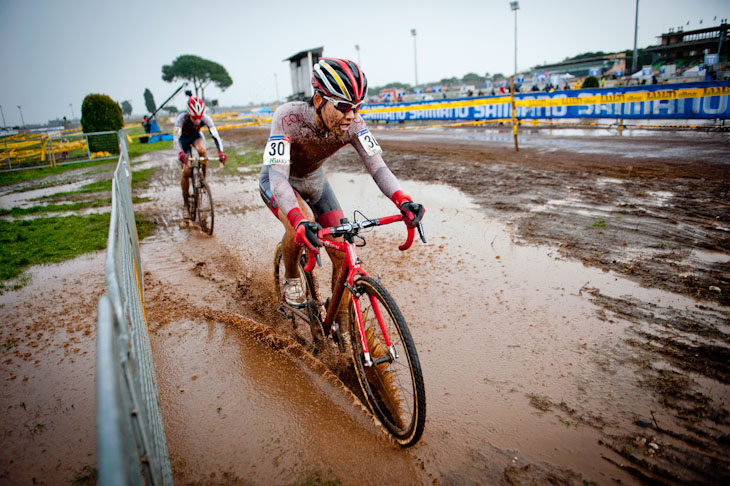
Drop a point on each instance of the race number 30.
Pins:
(277, 150)
(369, 143)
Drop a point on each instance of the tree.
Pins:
(100, 113)
(590, 82)
(472, 77)
(149, 100)
(126, 108)
(201, 72)
(170, 109)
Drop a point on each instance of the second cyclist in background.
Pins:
(186, 135)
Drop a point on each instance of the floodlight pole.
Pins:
(3, 114)
(72, 110)
(515, 6)
(21, 116)
(415, 57)
(635, 56)
(357, 48)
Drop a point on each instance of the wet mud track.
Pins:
(564, 308)
(564, 311)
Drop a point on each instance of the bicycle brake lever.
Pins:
(420, 232)
(319, 262)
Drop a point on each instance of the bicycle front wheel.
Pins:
(205, 214)
(393, 384)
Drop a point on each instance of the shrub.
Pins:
(100, 113)
(591, 82)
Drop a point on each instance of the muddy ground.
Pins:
(570, 311)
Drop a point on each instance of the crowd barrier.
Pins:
(683, 101)
(27, 151)
(132, 446)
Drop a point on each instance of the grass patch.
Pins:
(236, 161)
(599, 223)
(57, 208)
(140, 180)
(7, 178)
(53, 240)
(136, 148)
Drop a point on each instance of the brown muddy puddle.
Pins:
(47, 380)
(523, 371)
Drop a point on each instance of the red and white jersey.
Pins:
(305, 147)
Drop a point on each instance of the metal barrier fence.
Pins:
(132, 446)
(22, 151)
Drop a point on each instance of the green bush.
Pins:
(100, 113)
(590, 82)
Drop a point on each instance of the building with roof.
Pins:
(682, 45)
(300, 65)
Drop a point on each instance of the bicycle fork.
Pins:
(392, 352)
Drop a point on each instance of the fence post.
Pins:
(514, 112)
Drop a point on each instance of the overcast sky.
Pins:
(54, 53)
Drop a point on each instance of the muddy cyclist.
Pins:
(186, 135)
(303, 135)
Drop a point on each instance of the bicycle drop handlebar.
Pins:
(353, 228)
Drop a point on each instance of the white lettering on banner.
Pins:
(604, 110)
(696, 105)
(721, 105)
(680, 107)
(559, 110)
(528, 112)
(587, 109)
(661, 105)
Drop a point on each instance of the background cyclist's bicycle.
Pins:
(200, 200)
(374, 333)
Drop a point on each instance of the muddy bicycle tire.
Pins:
(205, 213)
(314, 329)
(394, 389)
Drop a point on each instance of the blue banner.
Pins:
(704, 100)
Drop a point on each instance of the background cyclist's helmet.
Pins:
(196, 107)
(340, 78)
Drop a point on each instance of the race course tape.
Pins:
(662, 95)
(587, 99)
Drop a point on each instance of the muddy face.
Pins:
(336, 121)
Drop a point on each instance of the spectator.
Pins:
(146, 123)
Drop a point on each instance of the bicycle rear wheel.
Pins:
(204, 207)
(393, 387)
(311, 334)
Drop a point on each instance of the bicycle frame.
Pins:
(351, 268)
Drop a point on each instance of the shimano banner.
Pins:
(657, 101)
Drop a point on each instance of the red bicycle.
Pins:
(375, 333)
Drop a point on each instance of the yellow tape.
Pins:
(439, 106)
(573, 101)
